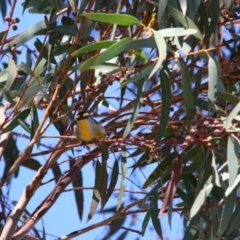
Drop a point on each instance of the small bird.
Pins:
(87, 128)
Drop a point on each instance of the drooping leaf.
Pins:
(139, 100)
(162, 51)
(154, 214)
(172, 185)
(185, 21)
(201, 197)
(161, 9)
(214, 19)
(213, 78)
(232, 156)
(78, 194)
(166, 104)
(187, 94)
(122, 186)
(145, 222)
(96, 192)
(113, 182)
(104, 175)
(230, 202)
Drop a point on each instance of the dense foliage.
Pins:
(161, 76)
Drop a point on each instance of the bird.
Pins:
(87, 128)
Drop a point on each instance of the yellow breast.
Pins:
(86, 133)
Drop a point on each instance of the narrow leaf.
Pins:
(93, 47)
(213, 77)
(113, 50)
(230, 203)
(199, 201)
(166, 103)
(162, 51)
(172, 185)
(113, 18)
(96, 192)
(139, 100)
(185, 21)
(232, 155)
(145, 222)
(187, 94)
(122, 186)
(154, 214)
(115, 173)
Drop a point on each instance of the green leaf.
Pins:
(113, 18)
(31, 164)
(227, 97)
(162, 51)
(30, 93)
(166, 103)
(232, 156)
(187, 94)
(234, 221)
(38, 28)
(213, 72)
(216, 179)
(160, 169)
(142, 74)
(227, 3)
(114, 178)
(44, 51)
(177, 32)
(35, 121)
(139, 100)
(131, 44)
(172, 185)
(154, 214)
(161, 9)
(96, 192)
(93, 47)
(3, 7)
(104, 175)
(232, 115)
(145, 222)
(122, 186)
(184, 20)
(66, 30)
(14, 123)
(201, 197)
(12, 72)
(192, 229)
(25, 125)
(113, 50)
(198, 80)
(214, 19)
(78, 194)
(2, 35)
(57, 5)
(228, 210)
